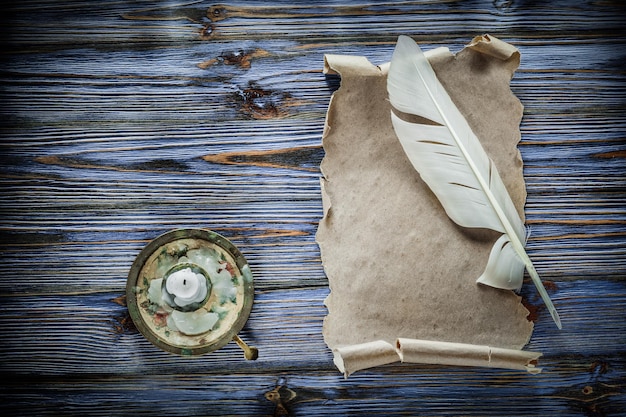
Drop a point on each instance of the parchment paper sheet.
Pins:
(402, 274)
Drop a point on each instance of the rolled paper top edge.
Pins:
(333, 64)
(492, 46)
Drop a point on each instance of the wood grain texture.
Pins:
(123, 120)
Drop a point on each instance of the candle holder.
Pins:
(190, 292)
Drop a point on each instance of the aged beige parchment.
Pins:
(402, 275)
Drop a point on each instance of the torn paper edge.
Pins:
(485, 44)
(350, 359)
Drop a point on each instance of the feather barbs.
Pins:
(452, 162)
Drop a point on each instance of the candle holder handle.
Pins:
(249, 352)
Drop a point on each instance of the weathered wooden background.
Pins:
(121, 120)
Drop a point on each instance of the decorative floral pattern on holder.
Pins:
(189, 291)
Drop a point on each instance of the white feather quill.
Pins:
(452, 162)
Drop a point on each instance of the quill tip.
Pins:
(556, 318)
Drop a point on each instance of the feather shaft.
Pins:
(451, 160)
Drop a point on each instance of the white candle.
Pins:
(186, 287)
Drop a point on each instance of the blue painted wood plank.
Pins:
(124, 120)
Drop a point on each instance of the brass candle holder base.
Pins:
(196, 317)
